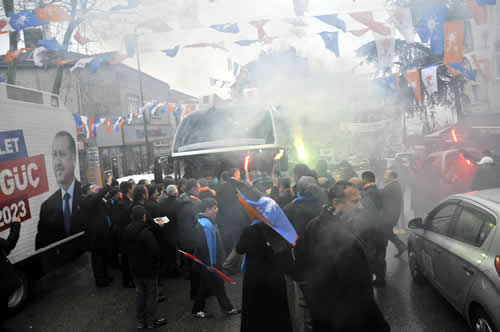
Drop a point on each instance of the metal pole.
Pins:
(141, 100)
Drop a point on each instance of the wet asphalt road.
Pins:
(69, 301)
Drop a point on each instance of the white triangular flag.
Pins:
(38, 57)
(130, 118)
(385, 52)
(86, 124)
(429, 77)
(403, 21)
(82, 63)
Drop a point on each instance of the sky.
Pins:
(191, 70)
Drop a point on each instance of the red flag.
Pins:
(367, 19)
(483, 66)
(108, 125)
(81, 39)
(453, 41)
(61, 62)
(52, 13)
(480, 13)
(11, 55)
(359, 33)
(413, 78)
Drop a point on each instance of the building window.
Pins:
(133, 104)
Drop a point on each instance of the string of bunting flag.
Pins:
(91, 124)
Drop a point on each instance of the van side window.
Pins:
(473, 226)
(439, 220)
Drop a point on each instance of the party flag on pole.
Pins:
(24, 19)
(78, 121)
(332, 20)
(91, 132)
(199, 261)
(453, 41)
(430, 26)
(429, 76)
(413, 78)
(331, 40)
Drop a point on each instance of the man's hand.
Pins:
(16, 219)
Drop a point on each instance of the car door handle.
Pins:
(468, 270)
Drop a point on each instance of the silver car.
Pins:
(457, 249)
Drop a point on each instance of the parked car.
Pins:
(457, 249)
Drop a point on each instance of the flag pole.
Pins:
(141, 100)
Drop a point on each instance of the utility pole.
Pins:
(141, 100)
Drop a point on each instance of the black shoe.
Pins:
(401, 252)
(202, 314)
(159, 322)
(233, 311)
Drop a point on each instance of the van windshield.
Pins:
(222, 128)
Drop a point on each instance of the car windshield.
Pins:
(218, 128)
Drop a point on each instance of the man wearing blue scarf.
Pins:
(210, 249)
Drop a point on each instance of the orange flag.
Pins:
(480, 13)
(413, 78)
(108, 125)
(367, 19)
(453, 41)
(52, 13)
(11, 55)
(91, 127)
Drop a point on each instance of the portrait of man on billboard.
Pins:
(59, 213)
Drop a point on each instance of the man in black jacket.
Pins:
(210, 249)
(393, 203)
(99, 230)
(123, 206)
(144, 260)
(339, 288)
(373, 209)
(6, 246)
(168, 207)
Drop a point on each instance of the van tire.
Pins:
(20, 295)
(481, 322)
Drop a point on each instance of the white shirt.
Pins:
(70, 191)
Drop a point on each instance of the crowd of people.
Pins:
(327, 278)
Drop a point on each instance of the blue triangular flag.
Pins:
(246, 42)
(97, 62)
(459, 66)
(24, 19)
(53, 45)
(486, 2)
(2, 79)
(228, 27)
(430, 26)
(78, 121)
(331, 40)
(236, 69)
(332, 20)
(171, 52)
(177, 111)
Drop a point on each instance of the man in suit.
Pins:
(59, 213)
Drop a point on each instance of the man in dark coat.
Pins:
(265, 302)
(393, 204)
(373, 209)
(168, 207)
(123, 206)
(282, 192)
(487, 175)
(99, 230)
(144, 260)
(187, 209)
(210, 249)
(6, 246)
(339, 288)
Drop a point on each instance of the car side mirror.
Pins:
(416, 223)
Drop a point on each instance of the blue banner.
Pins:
(12, 145)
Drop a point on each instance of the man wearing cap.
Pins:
(168, 207)
(486, 176)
